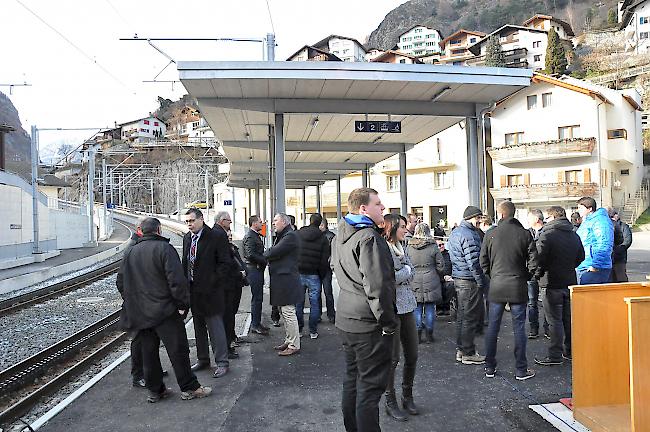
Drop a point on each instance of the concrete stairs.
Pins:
(636, 205)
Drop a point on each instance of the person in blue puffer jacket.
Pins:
(470, 282)
(597, 235)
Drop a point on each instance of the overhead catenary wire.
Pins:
(268, 7)
(76, 47)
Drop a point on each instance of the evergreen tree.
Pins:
(493, 53)
(556, 62)
(612, 17)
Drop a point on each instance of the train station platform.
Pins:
(69, 260)
(264, 392)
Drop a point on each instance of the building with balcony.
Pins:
(634, 20)
(420, 41)
(399, 57)
(523, 47)
(561, 139)
(454, 48)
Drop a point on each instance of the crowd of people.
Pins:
(395, 277)
(393, 274)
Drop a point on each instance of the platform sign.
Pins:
(227, 202)
(378, 126)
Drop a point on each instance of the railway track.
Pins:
(43, 374)
(58, 364)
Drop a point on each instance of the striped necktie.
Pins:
(195, 240)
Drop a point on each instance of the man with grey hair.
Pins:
(286, 289)
(535, 223)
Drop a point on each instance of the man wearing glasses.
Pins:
(207, 261)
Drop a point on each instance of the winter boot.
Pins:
(407, 391)
(392, 409)
(430, 336)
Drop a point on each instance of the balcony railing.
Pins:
(514, 58)
(574, 147)
(545, 191)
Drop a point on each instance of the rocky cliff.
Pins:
(17, 143)
(485, 15)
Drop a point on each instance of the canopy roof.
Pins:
(321, 101)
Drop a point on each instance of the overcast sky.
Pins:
(93, 79)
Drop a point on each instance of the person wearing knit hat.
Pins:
(464, 247)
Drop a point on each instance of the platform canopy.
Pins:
(318, 103)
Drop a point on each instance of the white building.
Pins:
(373, 53)
(144, 129)
(420, 41)
(635, 21)
(561, 139)
(522, 47)
(346, 48)
(546, 22)
(399, 57)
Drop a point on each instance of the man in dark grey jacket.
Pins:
(509, 258)
(464, 249)
(366, 311)
(255, 265)
(156, 297)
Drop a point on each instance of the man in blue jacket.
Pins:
(464, 249)
(597, 235)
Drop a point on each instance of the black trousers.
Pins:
(406, 341)
(137, 367)
(232, 300)
(557, 306)
(367, 367)
(275, 313)
(172, 332)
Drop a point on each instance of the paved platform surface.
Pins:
(120, 235)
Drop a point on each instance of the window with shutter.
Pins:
(586, 175)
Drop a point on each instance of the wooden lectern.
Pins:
(610, 327)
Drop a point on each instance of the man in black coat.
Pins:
(327, 279)
(509, 258)
(255, 265)
(622, 242)
(156, 298)
(313, 265)
(207, 262)
(286, 289)
(560, 251)
(232, 285)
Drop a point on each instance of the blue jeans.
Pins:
(518, 312)
(587, 278)
(429, 316)
(256, 279)
(312, 284)
(533, 305)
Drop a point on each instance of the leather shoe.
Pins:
(139, 383)
(263, 327)
(288, 352)
(259, 330)
(200, 366)
(220, 371)
(282, 347)
(165, 373)
(276, 323)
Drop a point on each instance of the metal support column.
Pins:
(111, 187)
(207, 196)
(234, 207)
(280, 180)
(472, 162)
(339, 214)
(364, 177)
(319, 208)
(91, 194)
(272, 196)
(270, 47)
(249, 191)
(34, 155)
(152, 202)
(103, 215)
(304, 206)
(403, 187)
(257, 200)
(178, 196)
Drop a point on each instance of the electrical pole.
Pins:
(104, 212)
(207, 196)
(152, 204)
(34, 142)
(91, 194)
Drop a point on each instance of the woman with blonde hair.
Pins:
(406, 333)
(428, 264)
